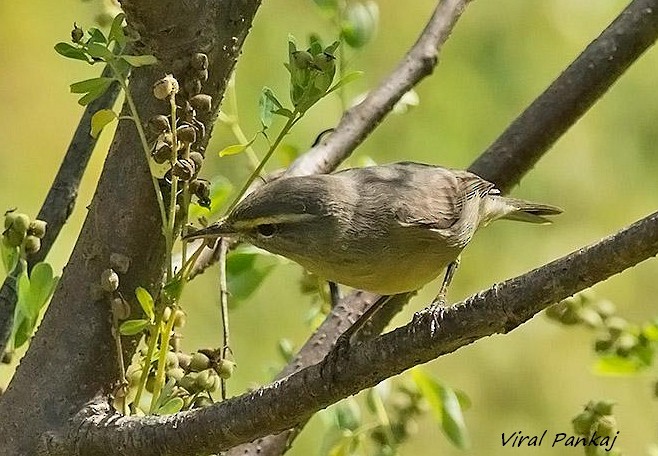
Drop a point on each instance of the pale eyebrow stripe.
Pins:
(274, 219)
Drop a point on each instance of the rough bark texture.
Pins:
(72, 356)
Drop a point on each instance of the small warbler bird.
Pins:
(386, 229)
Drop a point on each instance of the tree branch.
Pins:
(429, 335)
(597, 68)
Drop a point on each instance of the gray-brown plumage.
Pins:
(386, 229)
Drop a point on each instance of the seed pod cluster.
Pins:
(21, 231)
(187, 136)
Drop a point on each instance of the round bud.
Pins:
(165, 87)
(602, 407)
(192, 86)
(225, 368)
(186, 134)
(179, 319)
(159, 124)
(32, 244)
(20, 223)
(9, 219)
(302, 59)
(582, 423)
(201, 188)
(109, 280)
(184, 359)
(199, 362)
(189, 382)
(162, 154)
(13, 238)
(120, 309)
(197, 158)
(199, 61)
(204, 380)
(176, 373)
(201, 102)
(37, 228)
(616, 326)
(166, 314)
(172, 360)
(184, 169)
(77, 33)
(606, 426)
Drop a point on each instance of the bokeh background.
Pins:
(502, 54)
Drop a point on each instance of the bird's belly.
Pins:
(390, 271)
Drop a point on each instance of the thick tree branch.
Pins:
(431, 334)
(70, 359)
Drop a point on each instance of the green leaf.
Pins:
(349, 77)
(140, 60)
(360, 23)
(146, 301)
(246, 268)
(173, 289)
(132, 327)
(91, 85)
(100, 51)
(100, 119)
(42, 285)
(235, 148)
(96, 36)
(445, 407)
(617, 365)
(267, 104)
(116, 30)
(9, 256)
(173, 405)
(71, 52)
(285, 112)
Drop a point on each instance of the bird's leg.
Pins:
(440, 299)
(334, 294)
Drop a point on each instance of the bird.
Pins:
(386, 229)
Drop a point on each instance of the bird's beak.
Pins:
(218, 229)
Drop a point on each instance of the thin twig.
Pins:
(223, 301)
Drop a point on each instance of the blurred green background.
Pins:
(501, 55)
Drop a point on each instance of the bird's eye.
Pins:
(266, 230)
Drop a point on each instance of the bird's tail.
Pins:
(527, 211)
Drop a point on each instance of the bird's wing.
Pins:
(437, 195)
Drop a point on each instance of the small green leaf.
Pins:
(91, 85)
(42, 285)
(285, 112)
(146, 301)
(100, 51)
(132, 327)
(96, 36)
(617, 365)
(349, 77)
(71, 52)
(267, 104)
(100, 119)
(9, 256)
(445, 407)
(235, 148)
(173, 289)
(140, 60)
(173, 405)
(116, 30)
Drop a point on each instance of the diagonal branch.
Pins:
(431, 334)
